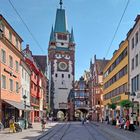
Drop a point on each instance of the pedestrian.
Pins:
(131, 127)
(127, 124)
(43, 123)
(12, 125)
(117, 122)
(82, 119)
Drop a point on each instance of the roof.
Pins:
(41, 61)
(136, 21)
(72, 36)
(60, 22)
(52, 38)
(2, 18)
(100, 64)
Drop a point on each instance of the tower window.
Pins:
(62, 37)
(56, 75)
(68, 75)
(62, 75)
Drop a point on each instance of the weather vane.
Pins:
(61, 3)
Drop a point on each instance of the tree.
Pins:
(126, 104)
(112, 106)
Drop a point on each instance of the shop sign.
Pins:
(116, 99)
(63, 105)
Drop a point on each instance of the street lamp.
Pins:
(25, 97)
(133, 95)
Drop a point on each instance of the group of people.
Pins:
(126, 123)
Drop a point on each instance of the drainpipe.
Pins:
(0, 77)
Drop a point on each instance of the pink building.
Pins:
(10, 55)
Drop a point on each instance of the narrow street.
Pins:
(91, 131)
(73, 131)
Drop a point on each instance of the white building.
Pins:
(134, 65)
(25, 85)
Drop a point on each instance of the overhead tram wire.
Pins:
(26, 26)
(117, 27)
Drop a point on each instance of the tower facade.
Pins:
(61, 57)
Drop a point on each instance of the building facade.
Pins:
(96, 88)
(42, 63)
(115, 82)
(61, 63)
(134, 67)
(81, 98)
(25, 89)
(36, 96)
(10, 55)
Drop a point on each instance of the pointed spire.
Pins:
(72, 36)
(61, 3)
(52, 35)
(60, 21)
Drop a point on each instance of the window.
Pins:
(137, 38)
(22, 92)
(25, 76)
(17, 87)
(11, 84)
(135, 83)
(10, 36)
(62, 75)
(56, 75)
(34, 75)
(10, 61)
(16, 42)
(62, 37)
(68, 75)
(137, 79)
(22, 73)
(3, 56)
(3, 82)
(132, 43)
(3, 28)
(132, 65)
(17, 66)
(136, 60)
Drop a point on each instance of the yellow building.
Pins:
(115, 83)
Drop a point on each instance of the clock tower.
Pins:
(61, 57)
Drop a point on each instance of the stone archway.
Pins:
(60, 115)
(81, 112)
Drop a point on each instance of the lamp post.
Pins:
(133, 95)
(25, 97)
(0, 79)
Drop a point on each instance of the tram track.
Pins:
(89, 131)
(54, 132)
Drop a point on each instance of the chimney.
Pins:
(94, 57)
(27, 46)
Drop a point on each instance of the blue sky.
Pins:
(94, 23)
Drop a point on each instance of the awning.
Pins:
(18, 105)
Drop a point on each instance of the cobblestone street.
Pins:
(73, 131)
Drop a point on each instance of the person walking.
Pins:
(43, 123)
(12, 125)
(131, 128)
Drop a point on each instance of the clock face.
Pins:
(62, 66)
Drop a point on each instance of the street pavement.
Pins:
(28, 134)
(73, 131)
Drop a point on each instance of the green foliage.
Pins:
(126, 103)
(112, 106)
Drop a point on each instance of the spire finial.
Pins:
(61, 3)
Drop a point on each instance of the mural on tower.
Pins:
(61, 57)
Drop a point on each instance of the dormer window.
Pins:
(10, 36)
(53, 43)
(62, 37)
